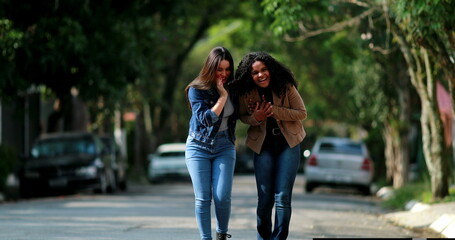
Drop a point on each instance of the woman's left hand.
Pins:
(260, 110)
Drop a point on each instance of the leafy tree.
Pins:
(10, 40)
(303, 19)
(165, 38)
(430, 24)
(68, 44)
(426, 51)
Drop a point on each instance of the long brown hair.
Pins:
(207, 76)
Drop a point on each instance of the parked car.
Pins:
(339, 162)
(167, 161)
(67, 161)
(119, 164)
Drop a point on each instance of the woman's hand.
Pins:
(219, 105)
(260, 110)
(220, 87)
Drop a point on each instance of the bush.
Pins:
(8, 160)
(419, 191)
(411, 191)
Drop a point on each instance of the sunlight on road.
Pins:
(105, 204)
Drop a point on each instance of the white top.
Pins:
(228, 111)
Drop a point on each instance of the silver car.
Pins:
(168, 160)
(339, 162)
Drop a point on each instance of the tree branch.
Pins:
(334, 28)
(356, 2)
(384, 51)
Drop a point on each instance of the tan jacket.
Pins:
(288, 111)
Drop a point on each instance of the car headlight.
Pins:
(98, 163)
(89, 171)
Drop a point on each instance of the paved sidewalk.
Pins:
(439, 217)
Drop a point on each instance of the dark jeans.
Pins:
(275, 169)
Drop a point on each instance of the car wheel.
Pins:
(103, 184)
(122, 182)
(365, 190)
(156, 180)
(26, 192)
(123, 185)
(112, 187)
(309, 187)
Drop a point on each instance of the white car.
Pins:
(167, 161)
(339, 162)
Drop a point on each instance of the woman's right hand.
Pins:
(219, 105)
(220, 87)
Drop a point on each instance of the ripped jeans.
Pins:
(275, 169)
(212, 175)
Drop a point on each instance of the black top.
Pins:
(273, 136)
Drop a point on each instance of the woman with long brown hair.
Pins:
(210, 148)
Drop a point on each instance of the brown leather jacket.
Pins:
(288, 111)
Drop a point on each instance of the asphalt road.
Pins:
(166, 211)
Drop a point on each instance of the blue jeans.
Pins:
(212, 174)
(275, 169)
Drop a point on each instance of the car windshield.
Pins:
(348, 147)
(63, 146)
(172, 154)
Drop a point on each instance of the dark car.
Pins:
(69, 162)
(119, 163)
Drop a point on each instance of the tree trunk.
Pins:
(433, 131)
(141, 146)
(396, 153)
(419, 70)
(172, 74)
(402, 145)
(401, 163)
(396, 128)
(389, 151)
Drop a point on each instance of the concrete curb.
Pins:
(415, 206)
(440, 218)
(445, 225)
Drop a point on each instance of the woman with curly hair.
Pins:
(272, 106)
(210, 149)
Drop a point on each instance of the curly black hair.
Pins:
(281, 77)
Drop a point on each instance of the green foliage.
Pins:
(412, 191)
(291, 17)
(419, 191)
(338, 74)
(68, 44)
(451, 196)
(368, 93)
(285, 17)
(429, 24)
(11, 40)
(8, 160)
(426, 16)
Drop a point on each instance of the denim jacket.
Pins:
(204, 123)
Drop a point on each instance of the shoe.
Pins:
(222, 236)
